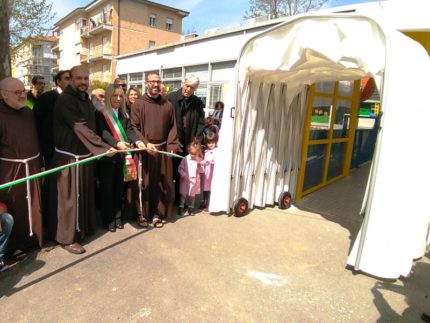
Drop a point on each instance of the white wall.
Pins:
(68, 40)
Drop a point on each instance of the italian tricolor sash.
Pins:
(129, 168)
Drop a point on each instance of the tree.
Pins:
(4, 40)
(281, 8)
(22, 20)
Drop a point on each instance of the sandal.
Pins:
(142, 222)
(157, 223)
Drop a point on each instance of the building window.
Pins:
(37, 51)
(80, 24)
(151, 44)
(172, 86)
(172, 73)
(215, 93)
(152, 20)
(169, 24)
(136, 77)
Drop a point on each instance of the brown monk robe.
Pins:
(153, 118)
(18, 140)
(75, 137)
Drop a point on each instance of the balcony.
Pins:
(100, 76)
(101, 53)
(98, 53)
(94, 27)
(84, 57)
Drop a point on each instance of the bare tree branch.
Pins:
(281, 8)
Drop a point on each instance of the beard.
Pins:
(97, 104)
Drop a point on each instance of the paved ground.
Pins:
(270, 266)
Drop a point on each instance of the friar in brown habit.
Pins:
(19, 157)
(153, 118)
(75, 139)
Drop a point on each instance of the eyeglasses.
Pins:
(17, 92)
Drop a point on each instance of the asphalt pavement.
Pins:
(269, 266)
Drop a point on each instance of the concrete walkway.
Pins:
(270, 266)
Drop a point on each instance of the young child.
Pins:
(211, 141)
(189, 170)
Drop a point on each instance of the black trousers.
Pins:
(111, 179)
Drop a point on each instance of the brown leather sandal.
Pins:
(157, 223)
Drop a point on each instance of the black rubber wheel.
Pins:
(284, 200)
(240, 207)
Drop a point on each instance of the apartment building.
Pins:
(34, 57)
(94, 35)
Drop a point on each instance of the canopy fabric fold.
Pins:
(260, 148)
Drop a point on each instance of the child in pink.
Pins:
(189, 170)
(211, 141)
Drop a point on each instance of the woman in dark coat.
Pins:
(113, 125)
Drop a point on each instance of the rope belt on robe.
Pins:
(27, 173)
(75, 164)
(77, 158)
(139, 174)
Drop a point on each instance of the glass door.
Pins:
(328, 134)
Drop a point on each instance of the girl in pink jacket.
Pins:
(211, 141)
(189, 170)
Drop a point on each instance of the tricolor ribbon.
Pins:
(129, 167)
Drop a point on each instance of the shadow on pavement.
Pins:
(341, 201)
(10, 279)
(415, 295)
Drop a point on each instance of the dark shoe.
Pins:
(203, 206)
(425, 317)
(142, 222)
(112, 227)
(74, 248)
(119, 224)
(181, 211)
(192, 211)
(19, 255)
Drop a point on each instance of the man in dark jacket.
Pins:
(190, 119)
(43, 111)
(37, 88)
(189, 110)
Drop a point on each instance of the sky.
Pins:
(204, 14)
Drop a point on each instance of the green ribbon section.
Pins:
(83, 161)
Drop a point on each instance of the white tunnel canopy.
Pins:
(273, 72)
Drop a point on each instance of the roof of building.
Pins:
(49, 38)
(214, 33)
(94, 3)
(392, 9)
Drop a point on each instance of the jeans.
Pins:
(6, 225)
